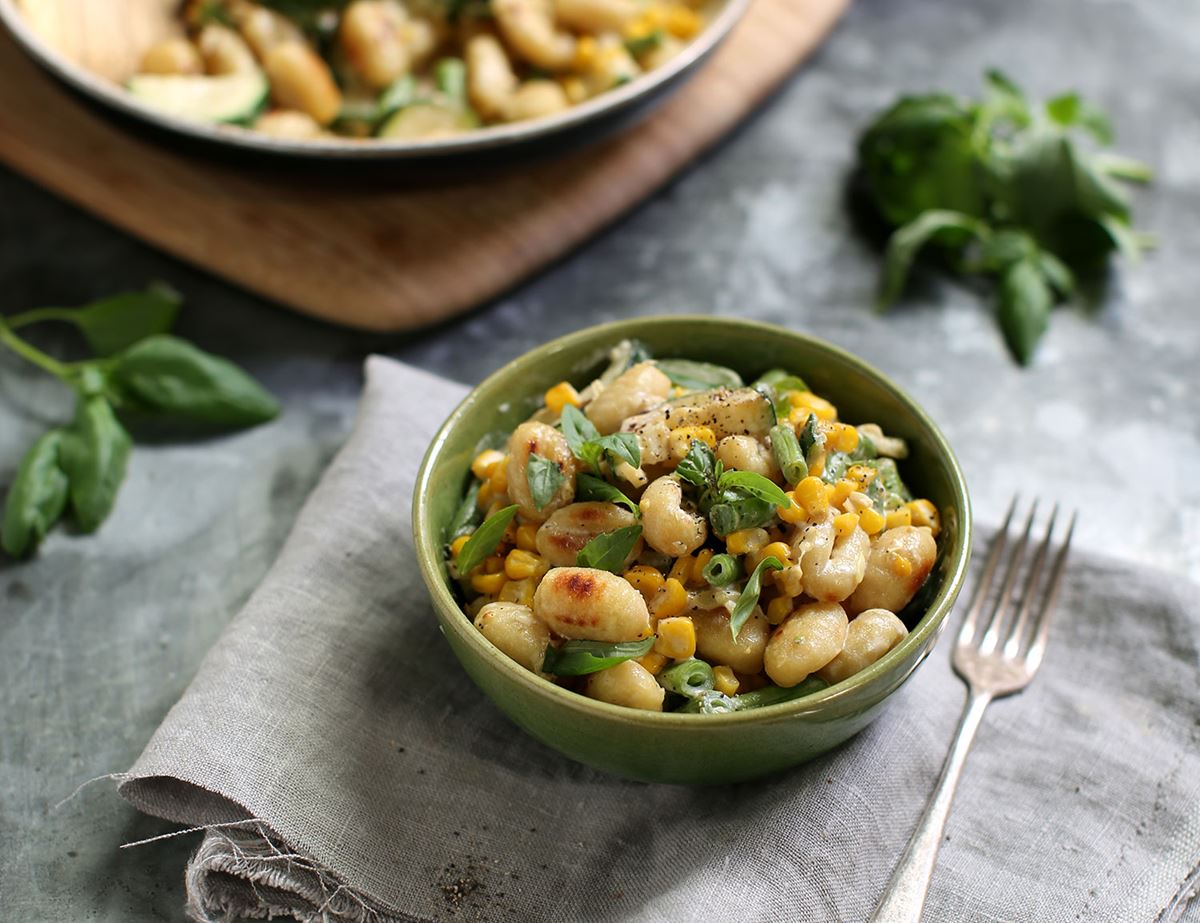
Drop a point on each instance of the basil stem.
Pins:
(722, 570)
(484, 540)
(787, 454)
(749, 598)
(689, 678)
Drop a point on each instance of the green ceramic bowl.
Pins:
(665, 747)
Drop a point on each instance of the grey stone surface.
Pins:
(100, 634)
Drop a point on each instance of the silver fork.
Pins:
(996, 657)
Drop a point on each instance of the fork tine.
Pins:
(967, 633)
(1003, 601)
(1017, 631)
(1037, 649)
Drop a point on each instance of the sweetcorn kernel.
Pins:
(901, 566)
(519, 564)
(575, 89)
(846, 438)
(669, 601)
(841, 490)
(526, 538)
(654, 662)
(844, 524)
(725, 681)
(681, 570)
(871, 521)
(518, 591)
(560, 396)
(805, 402)
(682, 438)
(493, 564)
(861, 475)
(900, 517)
(703, 556)
(485, 496)
(810, 494)
(499, 478)
(793, 514)
(682, 22)
(585, 53)
(746, 541)
(778, 550)
(485, 463)
(779, 609)
(925, 513)
(676, 638)
(645, 579)
(489, 584)
(457, 545)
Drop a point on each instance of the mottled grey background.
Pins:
(100, 635)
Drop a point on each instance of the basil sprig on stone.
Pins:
(137, 371)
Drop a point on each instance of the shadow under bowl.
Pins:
(687, 748)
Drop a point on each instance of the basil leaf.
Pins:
(578, 658)
(782, 380)
(609, 550)
(484, 540)
(167, 375)
(721, 570)
(754, 484)
(699, 466)
(623, 447)
(113, 324)
(1024, 308)
(1070, 111)
(37, 497)
(590, 487)
(690, 678)
(467, 516)
(95, 450)
(938, 225)
(734, 511)
(749, 598)
(578, 429)
(698, 376)
(811, 439)
(645, 43)
(544, 478)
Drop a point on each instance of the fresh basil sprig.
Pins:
(484, 540)
(590, 447)
(731, 500)
(137, 370)
(590, 487)
(578, 658)
(544, 478)
(698, 376)
(1002, 188)
(749, 597)
(609, 550)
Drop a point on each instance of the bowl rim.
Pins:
(430, 562)
(478, 140)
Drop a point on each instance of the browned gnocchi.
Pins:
(668, 537)
(404, 69)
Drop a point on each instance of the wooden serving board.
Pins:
(366, 251)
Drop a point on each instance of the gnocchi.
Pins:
(403, 68)
(634, 531)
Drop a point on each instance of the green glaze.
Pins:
(691, 748)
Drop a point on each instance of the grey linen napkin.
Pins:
(347, 769)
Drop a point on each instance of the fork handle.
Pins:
(905, 896)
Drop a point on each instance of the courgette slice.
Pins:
(228, 98)
(428, 120)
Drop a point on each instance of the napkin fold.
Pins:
(346, 769)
